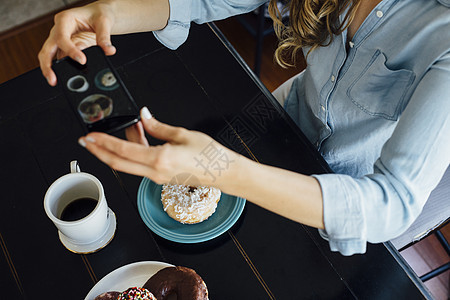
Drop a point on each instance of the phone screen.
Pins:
(96, 93)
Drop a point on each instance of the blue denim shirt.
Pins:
(377, 109)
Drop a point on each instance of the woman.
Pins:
(374, 99)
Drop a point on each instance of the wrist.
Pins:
(233, 180)
(137, 15)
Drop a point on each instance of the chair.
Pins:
(262, 30)
(445, 267)
(435, 215)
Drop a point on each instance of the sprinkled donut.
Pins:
(132, 293)
(182, 281)
(136, 293)
(188, 204)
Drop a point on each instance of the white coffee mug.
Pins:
(88, 233)
(78, 84)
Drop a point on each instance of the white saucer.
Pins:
(94, 246)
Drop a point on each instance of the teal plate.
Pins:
(152, 213)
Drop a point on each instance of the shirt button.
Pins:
(379, 13)
(351, 44)
(333, 78)
(322, 107)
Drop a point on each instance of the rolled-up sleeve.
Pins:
(380, 206)
(183, 12)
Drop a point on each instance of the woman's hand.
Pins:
(79, 28)
(193, 156)
(76, 29)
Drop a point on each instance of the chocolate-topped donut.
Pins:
(182, 281)
(108, 296)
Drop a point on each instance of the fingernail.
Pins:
(78, 59)
(48, 80)
(105, 43)
(82, 142)
(90, 139)
(145, 113)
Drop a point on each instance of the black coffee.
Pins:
(77, 83)
(78, 209)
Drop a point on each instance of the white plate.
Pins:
(135, 274)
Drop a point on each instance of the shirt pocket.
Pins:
(380, 91)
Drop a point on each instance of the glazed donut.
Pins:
(182, 281)
(188, 204)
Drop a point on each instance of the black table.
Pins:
(205, 86)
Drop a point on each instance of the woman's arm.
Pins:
(294, 196)
(138, 15)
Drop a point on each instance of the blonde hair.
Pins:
(312, 23)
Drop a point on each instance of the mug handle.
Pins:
(74, 167)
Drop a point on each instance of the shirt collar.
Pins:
(444, 2)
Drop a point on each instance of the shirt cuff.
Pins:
(177, 29)
(345, 229)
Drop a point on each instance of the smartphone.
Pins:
(96, 93)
